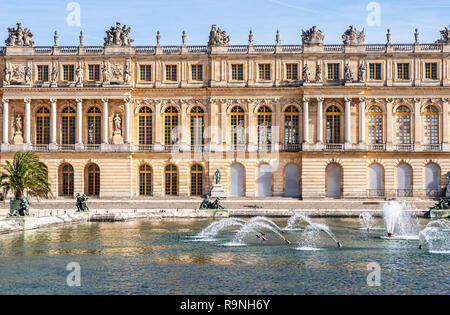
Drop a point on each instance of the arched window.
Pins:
(196, 180)
(145, 125)
(67, 180)
(93, 174)
(432, 175)
(264, 126)
(171, 176)
(403, 125)
(68, 121)
(333, 124)
(291, 125)
(376, 180)
(94, 125)
(431, 125)
(197, 123)
(43, 126)
(404, 180)
(237, 121)
(375, 125)
(145, 180)
(171, 126)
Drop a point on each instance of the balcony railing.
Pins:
(144, 147)
(292, 147)
(39, 147)
(238, 147)
(92, 147)
(376, 147)
(171, 147)
(66, 147)
(197, 147)
(404, 147)
(375, 193)
(432, 147)
(334, 147)
(264, 147)
(404, 193)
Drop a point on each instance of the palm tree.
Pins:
(26, 175)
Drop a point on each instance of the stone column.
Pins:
(362, 120)
(127, 119)
(105, 121)
(28, 121)
(79, 139)
(348, 127)
(320, 120)
(305, 120)
(53, 120)
(5, 102)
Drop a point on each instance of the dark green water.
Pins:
(160, 257)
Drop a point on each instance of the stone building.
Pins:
(314, 120)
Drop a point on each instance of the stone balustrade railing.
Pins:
(231, 49)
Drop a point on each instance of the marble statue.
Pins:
(19, 37)
(318, 73)
(79, 73)
(118, 36)
(445, 36)
(217, 37)
(27, 74)
(6, 75)
(126, 74)
(18, 126)
(305, 73)
(117, 124)
(348, 76)
(353, 37)
(54, 75)
(313, 36)
(106, 75)
(362, 72)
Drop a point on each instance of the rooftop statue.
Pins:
(19, 37)
(445, 36)
(353, 37)
(217, 37)
(118, 36)
(313, 36)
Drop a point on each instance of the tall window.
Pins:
(171, 72)
(68, 120)
(145, 73)
(43, 126)
(264, 71)
(171, 126)
(403, 125)
(375, 71)
(237, 72)
(94, 125)
(292, 71)
(93, 180)
(145, 180)
(196, 180)
(333, 71)
(68, 72)
(375, 125)
(431, 71)
(403, 71)
(237, 125)
(197, 116)
(145, 125)
(264, 125)
(67, 180)
(431, 125)
(291, 126)
(171, 176)
(333, 123)
(42, 73)
(197, 72)
(94, 72)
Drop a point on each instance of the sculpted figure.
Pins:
(445, 36)
(54, 75)
(126, 74)
(313, 36)
(6, 75)
(217, 37)
(318, 73)
(106, 75)
(348, 73)
(353, 37)
(18, 125)
(305, 73)
(79, 73)
(118, 36)
(19, 37)
(362, 72)
(117, 125)
(27, 74)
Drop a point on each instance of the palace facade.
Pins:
(313, 120)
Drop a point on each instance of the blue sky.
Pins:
(237, 17)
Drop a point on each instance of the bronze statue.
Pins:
(82, 203)
(207, 204)
(217, 177)
(23, 210)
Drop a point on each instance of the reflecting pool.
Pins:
(168, 257)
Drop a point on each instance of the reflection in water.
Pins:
(162, 256)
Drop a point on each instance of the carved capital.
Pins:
(53, 100)
(347, 99)
(320, 99)
(5, 101)
(105, 100)
(79, 100)
(305, 99)
(362, 99)
(27, 101)
(127, 99)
